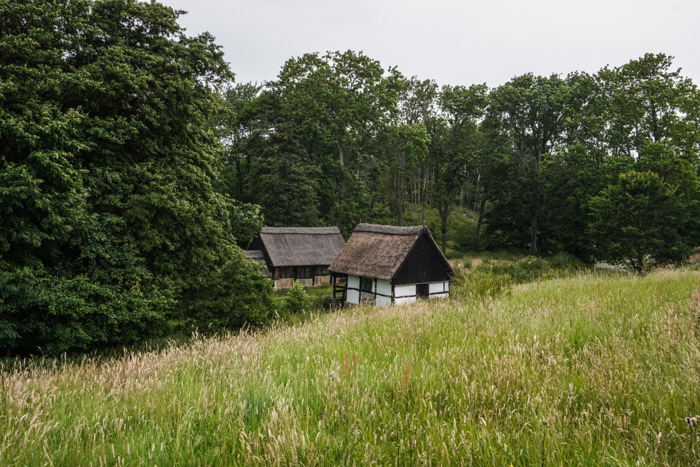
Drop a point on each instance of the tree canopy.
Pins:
(110, 225)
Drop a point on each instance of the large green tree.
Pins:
(310, 154)
(639, 223)
(456, 145)
(109, 221)
(531, 110)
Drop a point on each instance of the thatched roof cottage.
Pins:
(388, 265)
(297, 253)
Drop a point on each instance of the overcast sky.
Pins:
(453, 42)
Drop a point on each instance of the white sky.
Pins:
(453, 42)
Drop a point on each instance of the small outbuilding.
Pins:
(387, 265)
(297, 253)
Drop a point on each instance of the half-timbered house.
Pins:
(387, 265)
(297, 253)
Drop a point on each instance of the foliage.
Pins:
(639, 223)
(482, 282)
(303, 147)
(531, 111)
(456, 146)
(465, 235)
(110, 224)
(298, 300)
(338, 139)
(494, 278)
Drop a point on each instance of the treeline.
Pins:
(598, 165)
(132, 168)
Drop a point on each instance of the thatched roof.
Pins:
(256, 255)
(377, 251)
(259, 257)
(302, 246)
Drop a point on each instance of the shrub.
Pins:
(480, 283)
(532, 268)
(466, 239)
(298, 300)
(526, 270)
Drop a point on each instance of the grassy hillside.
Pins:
(588, 370)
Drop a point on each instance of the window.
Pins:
(423, 290)
(366, 284)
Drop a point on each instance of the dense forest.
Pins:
(133, 168)
(547, 162)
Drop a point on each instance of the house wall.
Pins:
(407, 293)
(322, 280)
(383, 293)
(423, 264)
(353, 295)
(284, 283)
(439, 289)
(404, 294)
(309, 276)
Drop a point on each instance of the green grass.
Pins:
(610, 364)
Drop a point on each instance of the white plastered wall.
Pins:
(404, 294)
(383, 288)
(439, 289)
(353, 295)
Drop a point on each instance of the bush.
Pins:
(532, 268)
(321, 302)
(526, 270)
(467, 240)
(498, 279)
(480, 283)
(298, 300)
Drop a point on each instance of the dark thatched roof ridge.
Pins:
(301, 230)
(389, 229)
(377, 251)
(255, 254)
(259, 257)
(302, 246)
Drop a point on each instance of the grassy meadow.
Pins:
(590, 369)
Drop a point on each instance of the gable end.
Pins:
(424, 263)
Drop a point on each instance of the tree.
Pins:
(403, 148)
(329, 110)
(418, 105)
(635, 223)
(110, 225)
(531, 109)
(456, 145)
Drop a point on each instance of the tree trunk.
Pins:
(239, 188)
(423, 195)
(482, 208)
(341, 183)
(444, 213)
(533, 231)
(341, 155)
(399, 186)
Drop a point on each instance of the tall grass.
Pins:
(584, 370)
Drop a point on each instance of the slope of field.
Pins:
(588, 370)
